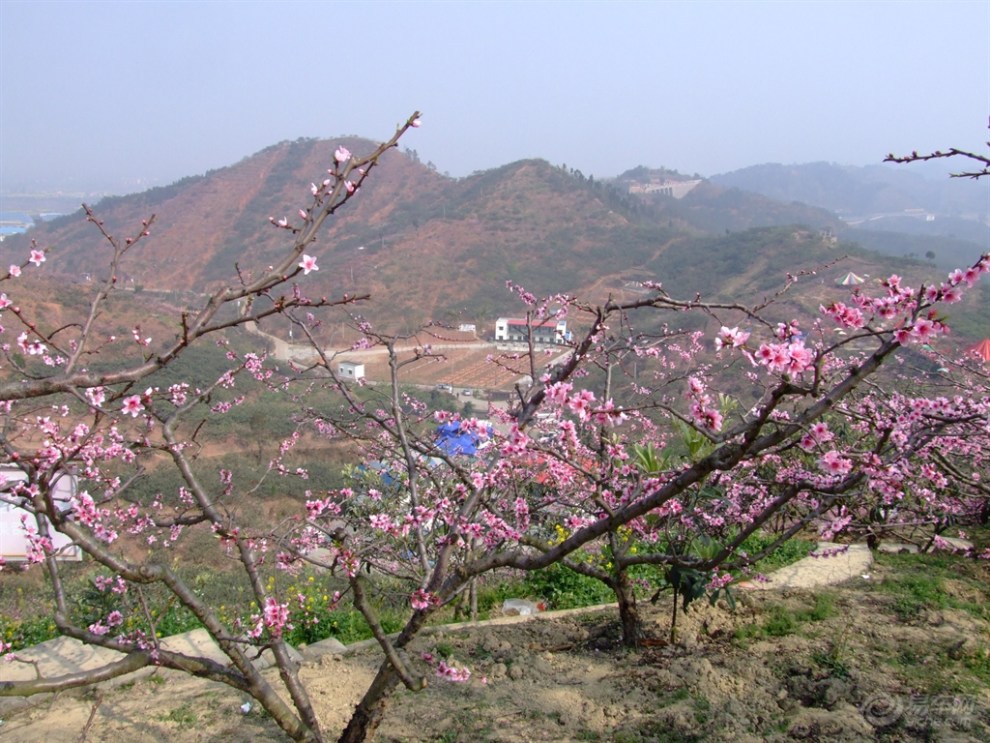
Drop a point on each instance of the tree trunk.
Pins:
(371, 709)
(628, 611)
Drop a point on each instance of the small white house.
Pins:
(350, 370)
(517, 330)
(13, 539)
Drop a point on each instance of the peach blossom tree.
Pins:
(585, 458)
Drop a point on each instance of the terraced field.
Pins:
(474, 365)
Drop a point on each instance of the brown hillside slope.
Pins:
(431, 248)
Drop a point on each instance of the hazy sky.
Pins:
(95, 95)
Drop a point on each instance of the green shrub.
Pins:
(23, 633)
(786, 554)
(562, 588)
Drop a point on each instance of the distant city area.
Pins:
(20, 210)
(19, 222)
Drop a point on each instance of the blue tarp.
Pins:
(452, 441)
(449, 439)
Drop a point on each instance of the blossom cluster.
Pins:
(274, 618)
(704, 411)
(445, 670)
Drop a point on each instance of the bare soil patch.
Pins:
(778, 668)
(463, 365)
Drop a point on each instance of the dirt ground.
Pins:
(848, 669)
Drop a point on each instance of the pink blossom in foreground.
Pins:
(792, 358)
(421, 599)
(719, 581)
(136, 334)
(132, 406)
(817, 434)
(96, 396)
(342, 154)
(557, 392)
(801, 358)
(707, 417)
(276, 617)
(308, 263)
(30, 347)
(834, 463)
(37, 257)
(847, 317)
(381, 521)
(580, 404)
(951, 295)
(445, 670)
(177, 393)
(730, 337)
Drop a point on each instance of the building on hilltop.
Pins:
(517, 331)
(665, 187)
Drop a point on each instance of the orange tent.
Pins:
(981, 349)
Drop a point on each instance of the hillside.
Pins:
(431, 248)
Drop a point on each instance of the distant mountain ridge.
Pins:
(878, 198)
(851, 190)
(431, 248)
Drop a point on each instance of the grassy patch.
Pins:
(782, 620)
(832, 659)
(919, 583)
(939, 669)
(916, 589)
(183, 716)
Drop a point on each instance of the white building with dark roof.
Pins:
(514, 330)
